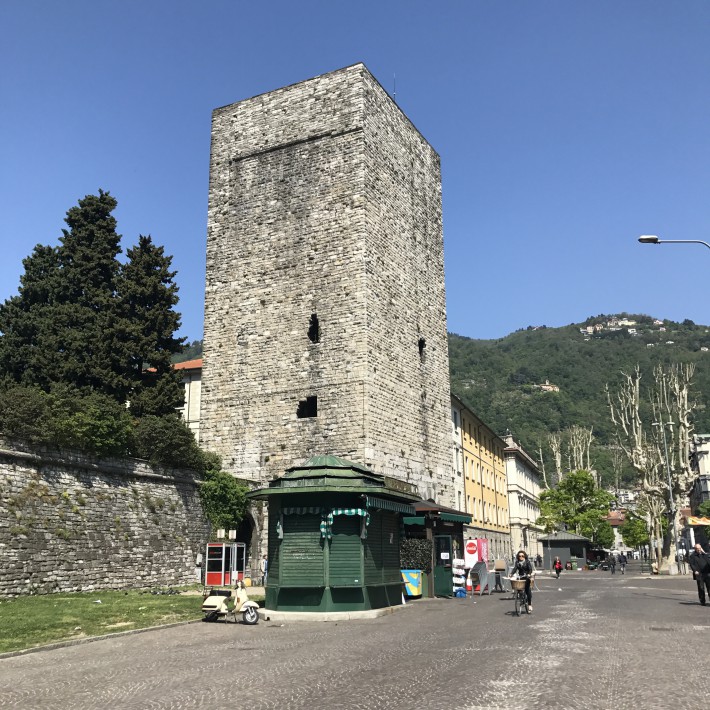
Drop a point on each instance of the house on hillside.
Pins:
(548, 387)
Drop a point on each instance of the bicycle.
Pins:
(521, 599)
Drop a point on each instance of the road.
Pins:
(594, 641)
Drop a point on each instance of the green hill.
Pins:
(499, 379)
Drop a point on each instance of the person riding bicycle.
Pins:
(523, 568)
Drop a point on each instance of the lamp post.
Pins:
(671, 511)
(653, 239)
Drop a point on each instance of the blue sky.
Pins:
(565, 129)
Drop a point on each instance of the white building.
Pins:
(191, 371)
(523, 498)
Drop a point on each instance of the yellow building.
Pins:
(485, 484)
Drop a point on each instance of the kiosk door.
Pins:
(443, 574)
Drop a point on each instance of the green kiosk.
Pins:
(334, 531)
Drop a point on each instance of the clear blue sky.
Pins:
(565, 129)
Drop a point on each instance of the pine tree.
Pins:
(85, 320)
(147, 294)
(24, 321)
(82, 319)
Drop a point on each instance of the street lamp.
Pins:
(653, 239)
(671, 511)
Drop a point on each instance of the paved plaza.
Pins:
(594, 641)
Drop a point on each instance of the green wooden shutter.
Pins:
(301, 555)
(345, 568)
(390, 549)
(373, 550)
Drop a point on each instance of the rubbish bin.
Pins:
(574, 564)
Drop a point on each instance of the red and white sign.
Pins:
(470, 553)
(475, 551)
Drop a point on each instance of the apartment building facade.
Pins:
(485, 490)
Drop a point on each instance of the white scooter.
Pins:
(215, 604)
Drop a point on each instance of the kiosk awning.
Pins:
(453, 518)
(393, 505)
(413, 520)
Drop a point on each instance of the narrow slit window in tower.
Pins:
(422, 345)
(314, 329)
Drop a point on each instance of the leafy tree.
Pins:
(168, 441)
(596, 527)
(92, 422)
(66, 417)
(578, 504)
(25, 413)
(224, 500)
(634, 532)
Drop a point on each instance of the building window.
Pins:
(307, 408)
(314, 329)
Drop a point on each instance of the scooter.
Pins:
(215, 604)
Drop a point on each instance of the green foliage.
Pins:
(81, 318)
(634, 532)
(579, 505)
(92, 422)
(189, 352)
(147, 295)
(496, 378)
(167, 441)
(704, 511)
(66, 418)
(415, 553)
(224, 500)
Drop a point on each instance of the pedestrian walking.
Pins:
(557, 566)
(264, 567)
(622, 562)
(699, 562)
(612, 564)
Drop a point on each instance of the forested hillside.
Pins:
(499, 379)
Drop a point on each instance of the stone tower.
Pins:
(325, 313)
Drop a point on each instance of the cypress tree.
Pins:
(147, 294)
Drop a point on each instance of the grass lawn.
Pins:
(37, 620)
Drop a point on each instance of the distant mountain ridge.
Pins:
(542, 379)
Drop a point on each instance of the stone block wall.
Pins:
(325, 286)
(70, 523)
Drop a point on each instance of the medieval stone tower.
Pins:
(325, 314)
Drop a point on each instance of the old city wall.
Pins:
(69, 522)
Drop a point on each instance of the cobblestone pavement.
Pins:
(593, 641)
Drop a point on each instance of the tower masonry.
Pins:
(325, 312)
